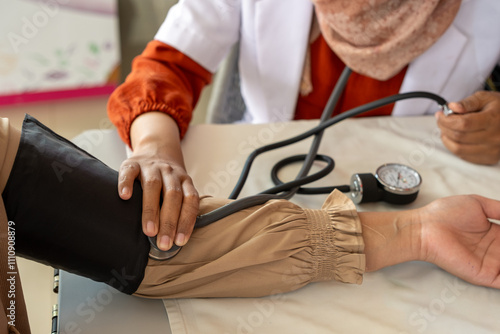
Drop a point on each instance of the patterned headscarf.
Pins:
(377, 38)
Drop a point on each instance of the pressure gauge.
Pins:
(392, 183)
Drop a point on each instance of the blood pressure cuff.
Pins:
(67, 213)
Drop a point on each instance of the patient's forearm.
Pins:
(390, 238)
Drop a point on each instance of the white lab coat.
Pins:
(273, 36)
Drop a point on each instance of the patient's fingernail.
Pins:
(150, 228)
(180, 239)
(164, 243)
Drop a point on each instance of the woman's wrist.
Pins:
(158, 133)
(391, 238)
(152, 126)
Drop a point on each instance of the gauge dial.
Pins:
(398, 178)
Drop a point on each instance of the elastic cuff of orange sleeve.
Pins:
(182, 118)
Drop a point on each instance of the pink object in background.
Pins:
(52, 57)
(107, 7)
(56, 95)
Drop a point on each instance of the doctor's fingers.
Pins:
(478, 111)
(471, 122)
(477, 102)
(484, 154)
(483, 136)
(152, 185)
(481, 128)
(129, 171)
(178, 212)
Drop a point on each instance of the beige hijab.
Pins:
(377, 38)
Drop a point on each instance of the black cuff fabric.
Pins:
(66, 211)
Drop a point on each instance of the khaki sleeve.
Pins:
(263, 250)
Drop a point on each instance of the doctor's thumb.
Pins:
(472, 103)
(459, 107)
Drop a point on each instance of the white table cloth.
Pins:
(413, 297)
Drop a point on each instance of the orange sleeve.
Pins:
(162, 79)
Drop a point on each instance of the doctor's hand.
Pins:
(457, 236)
(158, 163)
(473, 133)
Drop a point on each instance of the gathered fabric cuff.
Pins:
(337, 239)
(162, 79)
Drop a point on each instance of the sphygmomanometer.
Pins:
(393, 183)
(67, 213)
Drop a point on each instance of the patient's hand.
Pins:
(453, 233)
(457, 236)
(473, 133)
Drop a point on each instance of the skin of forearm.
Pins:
(157, 131)
(390, 238)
